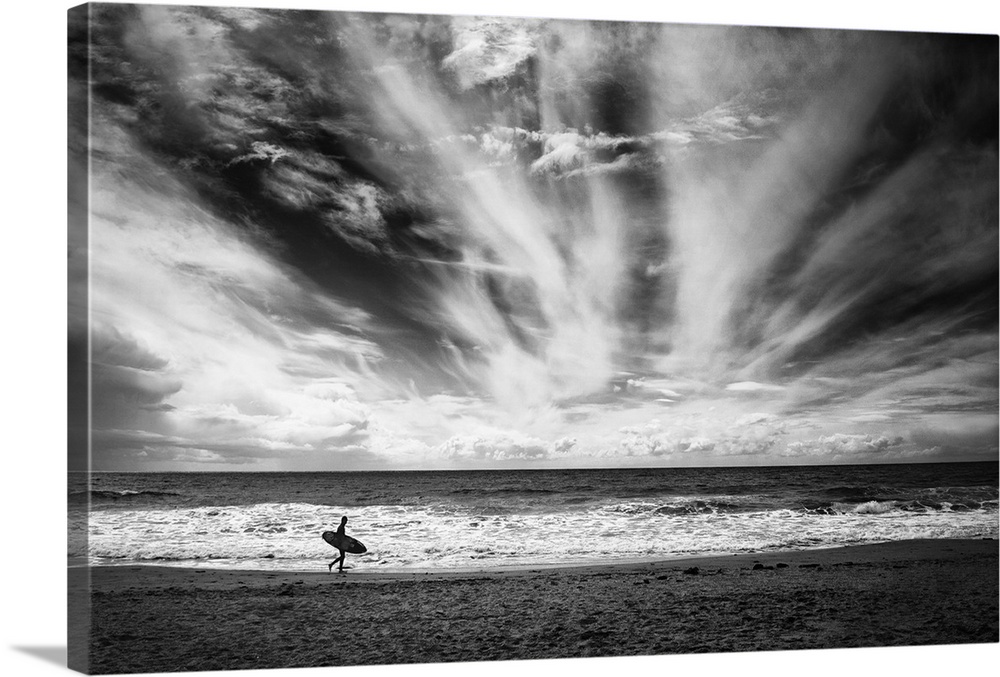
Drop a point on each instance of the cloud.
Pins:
(971, 435)
(563, 152)
(499, 445)
(302, 422)
(261, 150)
(205, 338)
(703, 437)
(127, 378)
(319, 425)
(488, 49)
(397, 239)
(110, 347)
(750, 116)
(122, 386)
(841, 446)
(350, 208)
(752, 386)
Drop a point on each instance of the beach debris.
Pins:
(692, 570)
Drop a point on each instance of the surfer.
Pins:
(340, 541)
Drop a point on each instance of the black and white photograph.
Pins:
(404, 338)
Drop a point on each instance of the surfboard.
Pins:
(345, 543)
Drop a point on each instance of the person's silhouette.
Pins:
(338, 541)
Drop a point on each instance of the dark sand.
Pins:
(161, 619)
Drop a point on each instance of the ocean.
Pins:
(506, 518)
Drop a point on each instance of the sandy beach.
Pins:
(159, 619)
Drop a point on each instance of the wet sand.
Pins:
(161, 619)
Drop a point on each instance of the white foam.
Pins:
(287, 536)
(875, 507)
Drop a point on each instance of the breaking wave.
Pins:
(287, 536)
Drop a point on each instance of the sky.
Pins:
(330, 241)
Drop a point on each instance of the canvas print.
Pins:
(403, 338)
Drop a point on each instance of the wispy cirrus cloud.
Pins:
(202, 339)
(392, 240)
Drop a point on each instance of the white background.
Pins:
(33, 336)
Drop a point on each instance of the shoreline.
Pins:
(884, 550)
(902, 593)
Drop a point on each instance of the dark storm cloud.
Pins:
(125, 377)
(123, 386)
(109, 347)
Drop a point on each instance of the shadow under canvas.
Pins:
(50, 654)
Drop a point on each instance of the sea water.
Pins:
(504, 518)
